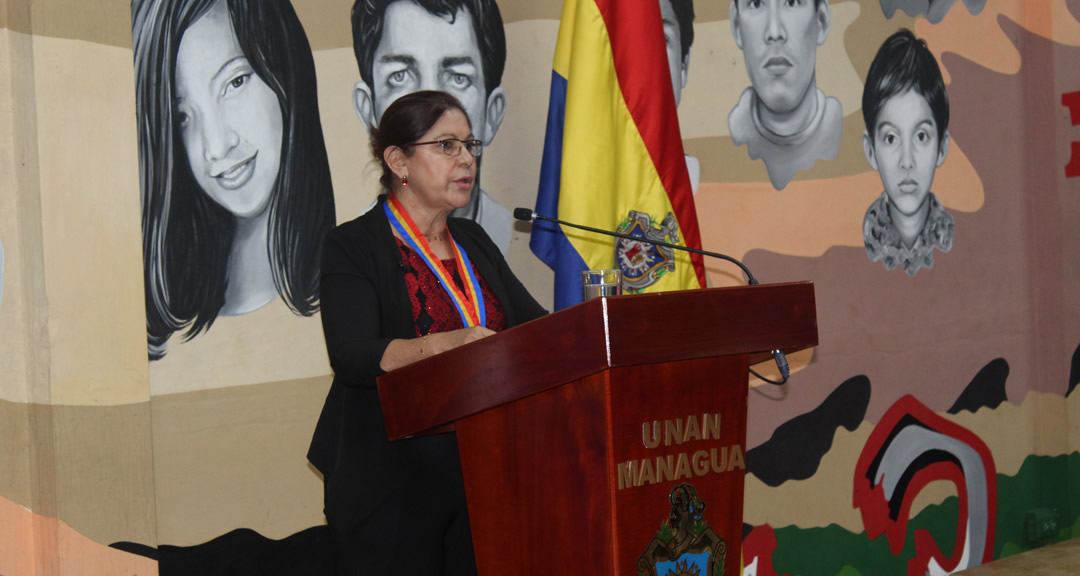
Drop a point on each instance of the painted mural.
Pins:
(892, 425)
(938, 483)
(918, 160)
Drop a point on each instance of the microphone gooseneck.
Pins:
(526, 215)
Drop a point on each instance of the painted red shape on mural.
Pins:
(1071, 100)
(757, 551)
(909, 448)
(1072, 169)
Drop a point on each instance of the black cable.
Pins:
(770, 381)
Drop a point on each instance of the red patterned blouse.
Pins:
(433, 310)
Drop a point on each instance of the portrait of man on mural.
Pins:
(235, 180)
(455, 46)
(783, 118)
(678, 19)
(906, 110)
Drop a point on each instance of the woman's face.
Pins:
(230, 120)
(439, 181)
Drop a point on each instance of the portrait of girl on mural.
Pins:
(235, 181)
(906, 110)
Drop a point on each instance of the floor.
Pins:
(1058, 559)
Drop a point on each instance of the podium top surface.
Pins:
(593, 336)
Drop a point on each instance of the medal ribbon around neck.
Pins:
(469, 304)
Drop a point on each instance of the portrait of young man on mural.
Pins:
(783, 118)
(678, 19)
(906, 110)
(236, 191)
(455, 46)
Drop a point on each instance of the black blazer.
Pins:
(364, 306)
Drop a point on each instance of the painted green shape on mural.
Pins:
(1041, 482)
(828, 550)
(1010, 549)
(848, 571)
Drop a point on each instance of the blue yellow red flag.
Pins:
(613, 155)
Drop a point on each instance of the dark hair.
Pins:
(406, 120)
(187, 236)
(684, 17)
(905, 63)
(487, 24)
(816, 3)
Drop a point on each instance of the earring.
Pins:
(404, 180)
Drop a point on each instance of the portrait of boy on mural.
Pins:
(454, 46)
(906, 110)
(783, 118)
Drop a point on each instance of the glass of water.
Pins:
(597, 283)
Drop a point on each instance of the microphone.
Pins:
(526, 215)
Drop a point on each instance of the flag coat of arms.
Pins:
(613, 156)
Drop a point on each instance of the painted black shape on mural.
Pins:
(795, 449)
(986, 390)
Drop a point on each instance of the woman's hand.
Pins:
(402, 352)
(446, 341)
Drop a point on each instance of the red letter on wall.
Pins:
(1071, 101)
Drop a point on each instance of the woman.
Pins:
(400, 507)
(236, 192)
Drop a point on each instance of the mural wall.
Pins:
(169, 167)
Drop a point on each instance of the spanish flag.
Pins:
(613, 155)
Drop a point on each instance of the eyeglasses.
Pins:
(452, 146)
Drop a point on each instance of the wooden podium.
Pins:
(608, 438)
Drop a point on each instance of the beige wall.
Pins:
(76, 451)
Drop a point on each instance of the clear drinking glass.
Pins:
(596, 283)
